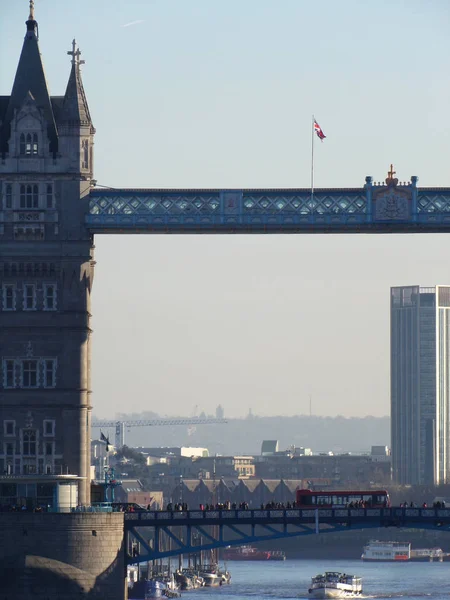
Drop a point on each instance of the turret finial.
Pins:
(75, 54)
(31, 23)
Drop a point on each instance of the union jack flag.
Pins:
(318, 130)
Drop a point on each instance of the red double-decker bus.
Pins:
(342, 499)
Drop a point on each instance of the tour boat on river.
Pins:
(335, 585)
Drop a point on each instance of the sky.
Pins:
(220, 94)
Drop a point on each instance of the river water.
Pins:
(291, 579)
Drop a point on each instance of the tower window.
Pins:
(9, 449)
(8, 373)
(9, 428)
(30, 374)
(29, 196)
(35, 144)
(29, 442)
(85, 154)
(49, 296)
(9, 296)
(48, 448)
(49, 195)
(22, 143)
(28, 145)
(49, 428)
(8, 196)
(49, 376)
(29, 296)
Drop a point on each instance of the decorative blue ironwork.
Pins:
(382, 207)
(195, 531)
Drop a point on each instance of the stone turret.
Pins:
(76, 131)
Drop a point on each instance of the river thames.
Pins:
(291, 579)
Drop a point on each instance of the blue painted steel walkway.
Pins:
(149, 533)
(389, 207)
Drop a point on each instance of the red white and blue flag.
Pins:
(318, 129)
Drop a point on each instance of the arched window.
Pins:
(28, 145)
(29, 196)
(22, 143)
(49, 195)
(29, 435)
(85, 154)
(8, 196)
(35, 143)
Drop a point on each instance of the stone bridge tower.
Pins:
(46, 275)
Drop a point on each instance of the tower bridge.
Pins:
(51, 211)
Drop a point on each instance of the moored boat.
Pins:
(213, 576)
(376, 551)
(212, 579)
(332, 584)
(189, 579)
(245, 553)
(154, 589)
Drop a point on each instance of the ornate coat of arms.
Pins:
(391, 203)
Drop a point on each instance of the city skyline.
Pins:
(261, 322)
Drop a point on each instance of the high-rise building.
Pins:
(420, 403)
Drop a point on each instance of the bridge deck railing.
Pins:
(306, 515)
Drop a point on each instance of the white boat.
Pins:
(386, 551)
(376, 551)
(335, 585)
(212, 579)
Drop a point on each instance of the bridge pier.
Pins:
(46, 556)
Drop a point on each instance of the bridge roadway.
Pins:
(196, 530)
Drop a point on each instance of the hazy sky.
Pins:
(220, 93)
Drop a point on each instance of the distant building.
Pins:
(132, 490)
(165, 451)
(300, 451)
(269, 447)
(380, 454)
(220, 412)
(420, 408)
(340, 470)
(224, 466)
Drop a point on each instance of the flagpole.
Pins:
(312, 158)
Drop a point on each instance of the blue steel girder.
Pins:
(373, 208)
(274, 524)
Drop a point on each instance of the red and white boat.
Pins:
(251, 553)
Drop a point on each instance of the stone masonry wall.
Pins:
(45, 556)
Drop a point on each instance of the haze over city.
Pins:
(202, 94)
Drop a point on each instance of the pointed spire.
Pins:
(30, 77)
(31, 23)
(75, 106)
